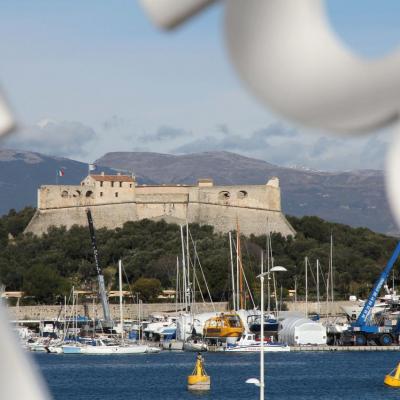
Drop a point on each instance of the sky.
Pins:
(89, 77)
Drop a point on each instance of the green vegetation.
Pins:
(47, 267)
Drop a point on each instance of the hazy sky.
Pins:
(91, 76)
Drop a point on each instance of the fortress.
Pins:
(116, 199)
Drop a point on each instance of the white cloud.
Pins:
(65, 139)
(279, 144)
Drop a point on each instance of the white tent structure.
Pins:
(302, 331)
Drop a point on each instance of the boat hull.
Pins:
(173, 345)
(71, 349)
(104, 350)
(257, 348)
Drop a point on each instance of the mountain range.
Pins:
(355, 198)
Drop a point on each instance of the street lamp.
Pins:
(260, 382)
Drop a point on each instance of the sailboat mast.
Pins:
(306, 268)
(331, 257)
(184, 279)
(318, 305)
(177, 285)
(232, 272)
(188, 264)
(268, 276)
(121, 311)
(241, 304)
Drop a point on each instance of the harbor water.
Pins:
(308, 375)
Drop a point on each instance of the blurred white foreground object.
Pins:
(254, 381)
(18, 376)
(6, 120)
(393, 175)
(167, 14)
(287, 54)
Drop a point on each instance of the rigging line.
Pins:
(245, 279)
(322, 274)
(312, 272)
(202, 272)
(191, 262)
(198, 284)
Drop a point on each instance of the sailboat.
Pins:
(100, 347)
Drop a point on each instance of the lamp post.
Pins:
(260, 382)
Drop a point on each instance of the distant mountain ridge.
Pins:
(22, 172)
(356, 198)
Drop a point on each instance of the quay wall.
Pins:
(130, 310)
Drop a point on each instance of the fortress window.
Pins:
(77, 193)
(120, 184)
(242, 194)
(116, 194)
(112, 183)
(130, 185)
(89, 193)
(101, 183)
(64, 194)
(101, 194)
(224, 195)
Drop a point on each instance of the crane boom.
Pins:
(362, 318)
(100, 277)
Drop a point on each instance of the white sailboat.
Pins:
(102, 348)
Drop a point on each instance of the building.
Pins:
(116, 199)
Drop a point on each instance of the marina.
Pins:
(340, 376)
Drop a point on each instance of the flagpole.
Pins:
(57, 177)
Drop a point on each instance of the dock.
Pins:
(325, 348)
(345, 348)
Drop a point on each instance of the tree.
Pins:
(148, 288)
(44, 283)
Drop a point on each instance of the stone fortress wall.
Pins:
(116, 199)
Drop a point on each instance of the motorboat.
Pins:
(248, 344)
(195, 345)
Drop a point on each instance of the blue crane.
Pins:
(363, 328)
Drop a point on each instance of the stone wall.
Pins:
(130, 310)
(254, 206)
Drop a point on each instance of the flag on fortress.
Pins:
(92, 167)
(60, 172)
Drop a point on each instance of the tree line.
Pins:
(46, 267)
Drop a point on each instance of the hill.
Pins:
(356, 198)
(48, 266)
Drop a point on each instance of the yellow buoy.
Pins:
(199, 380)
(393, 379)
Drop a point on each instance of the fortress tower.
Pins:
(116, 199)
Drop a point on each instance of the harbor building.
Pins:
(116, 199)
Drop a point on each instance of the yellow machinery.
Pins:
(393, 379)
(199, 380)
(223, 326)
